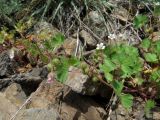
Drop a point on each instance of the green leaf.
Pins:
(57, 40)
(155, 76)
(146, 43)
(117, 59)
(117, 86)
(108, 66)
(73, 61)
(157, 10)
(44, 58)
(62, 68)
(33, 49)
(106, 69)
(150, 104)
(1, 39)
(137, 66)
(151, 57)
(109, 77)
(62, 72)
(140, 20)
(47, 45)
(156, 47)
(103, 68)
(130, 50)
(126, 100)
(127, 71)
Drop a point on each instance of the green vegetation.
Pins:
(125, 68)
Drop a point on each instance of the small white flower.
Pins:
(112, 36)
(121, 35)
(49, 80)
(157, 3)
(11, 54)
(41, 46)
(100, 46)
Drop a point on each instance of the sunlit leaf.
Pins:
(140, 20)
(155, 76)
(62, 73)
(126, 100)
(109, 77)
(151, 57)
(117, 86)
(157, 10)
(1, 39)
(57, 40)
(148, 106)
(73, 61)
(146, 43)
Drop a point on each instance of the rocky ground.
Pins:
(26, 93)
(28, 96)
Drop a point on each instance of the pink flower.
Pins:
(50, 78)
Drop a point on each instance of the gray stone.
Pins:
(91, 42)
(70, 46)
(7, 108)
(98, 26)
(39, 72)
(7, 66)
(137, 112)
(15, 94)
(71, 106)
(45, 30)
(80, 83)
(95, 17)
(38, 114)
(36, 76)
(156, 115)
(78, 107)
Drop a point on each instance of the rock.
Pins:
(29, 79)
(97, 26)
(137, 112)
(91, 42)
(120, 114)
(121, 14)
(7, 66)
(155, 36)
(69, 104)
(4, 83)
(11, 100)
(7, 109)
(79, 107)
(156, 115)
(96, 18)
(45, 30)
(70, 45)
(46, 95)
(39, 72)
(44, 72)
(38, 114)
(15, 94)
(80, 83)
